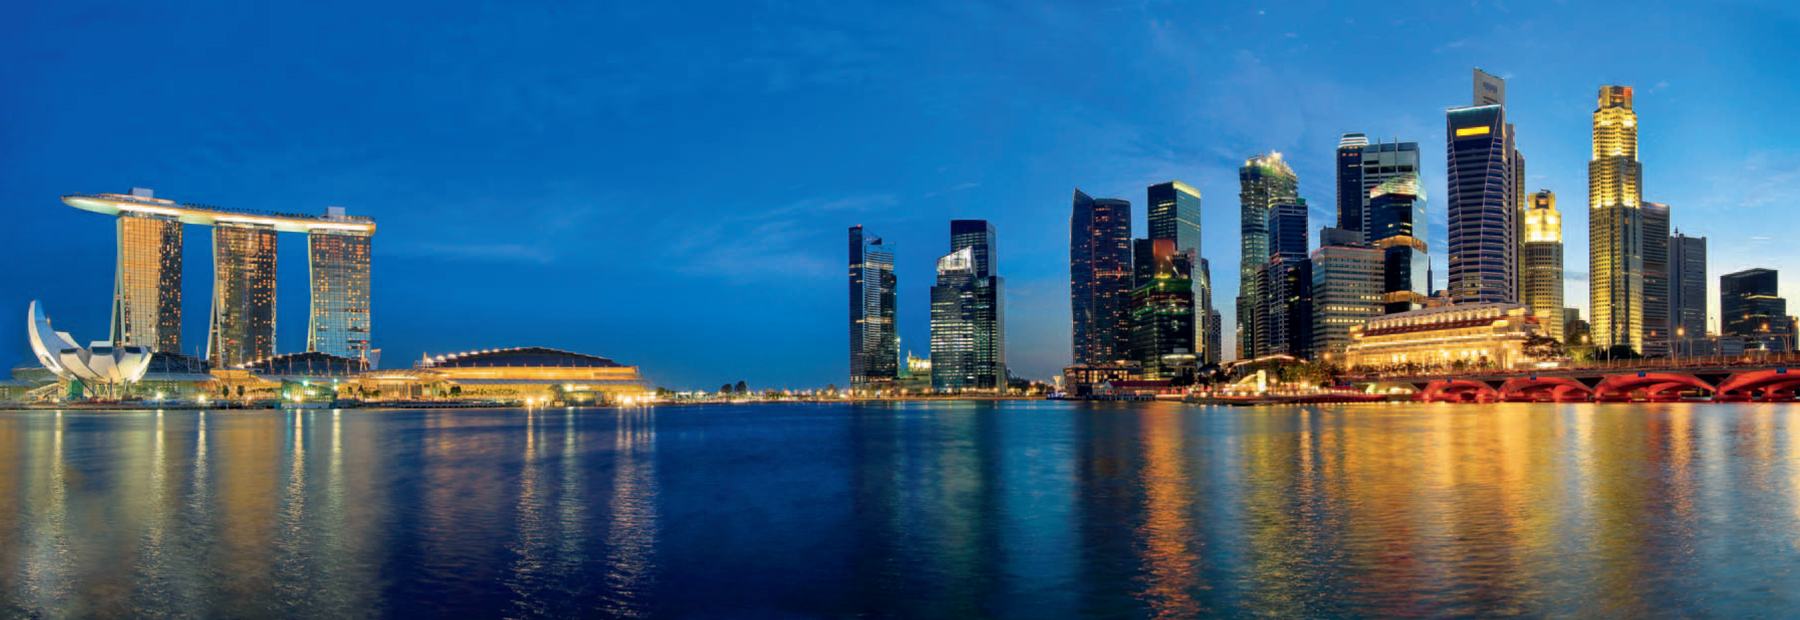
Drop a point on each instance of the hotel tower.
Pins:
(241, 325)
(1615, 225)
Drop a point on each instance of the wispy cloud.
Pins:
(776, 243)
(498, 252)
(954, 188)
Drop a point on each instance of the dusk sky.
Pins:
(669, 184)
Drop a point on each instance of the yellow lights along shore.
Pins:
(1473, 131)
(113, 204)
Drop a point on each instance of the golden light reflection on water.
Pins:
(1170, 562)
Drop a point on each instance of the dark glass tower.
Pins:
(1397, 212)
(1100, 279)
(1657, 329)
(1362, 167)
(1484, 206)
(1687, 286)
(1175, 215)
(977, 234)
(874, 342)
(1751, 305)
(1288, 327)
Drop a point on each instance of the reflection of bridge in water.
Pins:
(1769, 379)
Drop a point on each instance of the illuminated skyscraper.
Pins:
(1657, 327)
(1100, 279)
(243, 312)
(874, 343)
(968, 313)
(1263, 181)
(1346, 292)
(1175, 215)
(147, 292)
(1687, 286)
(1615, 225)
(1288, 277)
(1541, 277)
(1753, 309)
(339, 261)
(1483, 205)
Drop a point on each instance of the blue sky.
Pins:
(668, 184)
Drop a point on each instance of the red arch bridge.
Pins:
(1770, 383)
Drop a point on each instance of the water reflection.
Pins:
(1036, 510)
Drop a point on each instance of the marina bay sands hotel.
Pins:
(146, 307)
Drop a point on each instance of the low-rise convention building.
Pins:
(521, 375)
(1454, 337)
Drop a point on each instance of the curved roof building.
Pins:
(542, 357)
(102, 367)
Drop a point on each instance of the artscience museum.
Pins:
(104, 369)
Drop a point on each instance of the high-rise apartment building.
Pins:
(147, 292)
(1100, 279)
(243, 313)
(1541, 273)
(1657, 328)
(1483, 205)
(1346, 292)
(1615, 225)
(1397, 228)
(1687, 286)
(1752, 308)
(1362, 167)
(968, 313)
(339, 262)
(1287, 327)
(1263, 181)
(874, 341)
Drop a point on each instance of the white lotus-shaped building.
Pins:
(105, 369)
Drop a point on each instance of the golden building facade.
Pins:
(522, 375)
(1541, 283)
(1447, 338)
(147, 294)
(1615, 224)
(339, 265)
(243, 307)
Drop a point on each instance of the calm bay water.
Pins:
(941, 510)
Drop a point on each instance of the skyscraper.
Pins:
(1753, 308)
(1362, 167)
(1615, 225)
(1162, 307)
(1212, 333)
(1263, 181)
(874, 342)
(243, 313)
(339, 261)
(1175, 215)
(968, 313)
(1541, 276)
(1288, 327)
(1687, 286)
(147, 292)
(1397, 228)
(1100, 279)
(1657, 329)
(1483, 208)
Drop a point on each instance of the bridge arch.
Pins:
(1776, 382)
(1458, 391)
(1656, 385)
(1535, 388)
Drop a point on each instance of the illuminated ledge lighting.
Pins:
(1473, 131)
(114, 205)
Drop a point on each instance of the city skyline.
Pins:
(463, 276)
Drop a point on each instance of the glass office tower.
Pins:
(1687, 286)
(1175, 215)
(1657, 328)
(1615, 225)
(1100, 279)
(1287, 315)
(1263, 181)
(874, 341)
(1397, 225)
(968, 313)
(1483, 203)
(243, 312)
(339, 262)
(147, 292)
(1162, 308)
(1754, 310)
(1362, 167)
